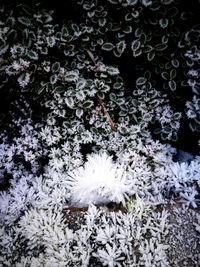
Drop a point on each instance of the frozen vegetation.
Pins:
(91, 171)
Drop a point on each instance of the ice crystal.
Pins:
(100, 180)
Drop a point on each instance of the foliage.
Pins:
(91, 98)
(153, 33)
(52, 59)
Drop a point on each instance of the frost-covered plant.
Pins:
(22, 44)
(65, 61)
(191, 53)
(151, 32)
(99, 181)
(116, 239)
(21, 149)
(93, 142)
(31, 210)
(81, 95)
(150, 107)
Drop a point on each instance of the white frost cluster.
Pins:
(99, 181)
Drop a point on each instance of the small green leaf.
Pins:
(135, 45)
(168, 65)
(143, 38)
(50, 41)
(117, 85)
(81, 84)
(160, 47)
(53, 79)
(58, 35)
(101, 95)
(147, 117)
(65, 32)
(172, 85)
(165, 39)
(69, 101)
(121, 46)
(75, 27)
(112, 70)
(138, 32)
(140, 81)
(124, 107)
(151, 55)
(172, 12)
(132, 110)
(172, 74)
(163, 22)
(113, 97)
(107, 46)
(79, 112)
(59, 89)
(25, 21)
(154, 103)
(106, 88)
(184, 83)
(66, 53)
(127, 29)
(32, 55)
(115, 27)
(87, 104)
(80, 128)
(90, 13)
(165, 75)
(123, 113)
(71, 76)
(148, 48)
(12, 35)
(193, 126)
(177, 115)
(175, 63)
(128, 17)
(197, 121)
(120, 101)
(137, 53)
(102, 22)
(116, 53)
(147, 74)
(100, 41)
(153, 21)
(55, 67)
